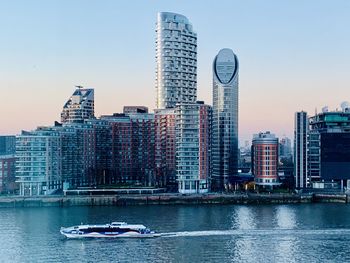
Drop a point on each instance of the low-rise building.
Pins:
(265, 159)
(7, 174)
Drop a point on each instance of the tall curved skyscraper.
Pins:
(225, 119)
(176, 57)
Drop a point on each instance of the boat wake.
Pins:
(258, 232)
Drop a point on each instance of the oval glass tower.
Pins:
(225, 119)
(176, 57)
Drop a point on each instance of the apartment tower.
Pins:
(225, 119)
(176, 58)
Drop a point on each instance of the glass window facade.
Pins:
(335, 156)
(225, 119)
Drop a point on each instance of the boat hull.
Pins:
(113, 230)
(109, 235)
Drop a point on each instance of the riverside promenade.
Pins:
(169, 199)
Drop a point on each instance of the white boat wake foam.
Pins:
(258, 232)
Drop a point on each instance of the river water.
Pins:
(206, 233)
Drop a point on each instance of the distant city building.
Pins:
(8, 174)
(265, 159)
(329, 146)
(79, 107)
(133, 149)
(176, 58)
(245, 160)
(135, 109)
(193, 140)
(7, 144)
(225, 119)
(285, 148)
(301, 127)
(165, 148)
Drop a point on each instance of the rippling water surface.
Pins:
(237, 233)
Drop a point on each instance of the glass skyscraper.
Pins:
(176, 57)
(300, 149)
(225, 119)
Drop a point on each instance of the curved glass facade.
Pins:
(225, 119)
(176, 57)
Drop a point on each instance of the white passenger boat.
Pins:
(115, 229)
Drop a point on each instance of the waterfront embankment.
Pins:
(169, 199)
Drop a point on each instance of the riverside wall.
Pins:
(168, 199)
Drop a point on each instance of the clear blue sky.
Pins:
(293, 55)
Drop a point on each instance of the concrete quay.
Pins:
(168, 199)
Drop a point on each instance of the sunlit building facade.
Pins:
(132, 149)
(265, 159)
(193, 141)
(49, 157)
(176, 58)
(225, 119)
(38, 165)
(79, 107)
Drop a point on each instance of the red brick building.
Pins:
(8, 174)
(265, 159)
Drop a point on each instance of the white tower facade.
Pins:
(176, 58)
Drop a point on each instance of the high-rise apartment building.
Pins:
(78, 153)
(193, 140)
(79, 107)
(50, 156)
(165, 148)
(301, 125)
(132, 148)
(176, 58)
(38, 164)
(225, 119)
(102, 150)
(329, 146)
(265, 159)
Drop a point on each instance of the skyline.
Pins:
(63, 44)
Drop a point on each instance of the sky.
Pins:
(294, 55)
